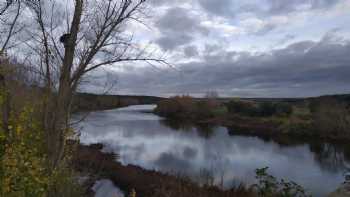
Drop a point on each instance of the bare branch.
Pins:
(10, 33)
(8, 4)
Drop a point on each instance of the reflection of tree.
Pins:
(331, 157)
(177, 125)
(204, 130)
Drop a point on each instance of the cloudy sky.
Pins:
(251, 48)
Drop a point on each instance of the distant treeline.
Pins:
(91, 102)
(340, 97)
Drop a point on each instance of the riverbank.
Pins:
(273, 129)
(324, 118)
(147, 141)
(96, 165)
(146, 183)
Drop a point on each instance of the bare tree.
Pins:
(5, 6)
(9, 16)
(95, 37)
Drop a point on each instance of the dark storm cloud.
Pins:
(180, 20)
(174, 41)
(302, 69)
(178, 26)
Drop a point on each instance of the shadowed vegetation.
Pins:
(186, 107)
(92, 102)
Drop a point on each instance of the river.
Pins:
(212, 153)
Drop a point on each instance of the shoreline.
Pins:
(146, 183)
(90, 160)
(256, 127)
(95, 165)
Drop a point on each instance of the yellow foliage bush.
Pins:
(23, 161)
(24, 170)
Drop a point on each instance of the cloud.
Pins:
(286, 38)
(174, 41)
(178, 26)
(252, 48)
(191, 51)
(283, 7)
(221, 8)
(158, 3)
(305, 68)
(258, 26)
(180, 20)
(232, 8)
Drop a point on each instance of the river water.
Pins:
(212, 153)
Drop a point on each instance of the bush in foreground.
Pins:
(24, 169)
(269, 186)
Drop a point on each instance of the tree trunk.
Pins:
(5, 105)
(59, 120)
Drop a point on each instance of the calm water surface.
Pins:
(106, 188)
(149, 141)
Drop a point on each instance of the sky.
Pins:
(251, 48)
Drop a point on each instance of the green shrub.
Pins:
(263, 109)
(176, 107)
(220, 111)
(283, 108)
(207, 109)
(267, 109)
(185, 107)
(242, 107)
(296, 126)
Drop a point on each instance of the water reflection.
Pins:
(106, 188)
(332, 158)
(204, 130)
(146, 140)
